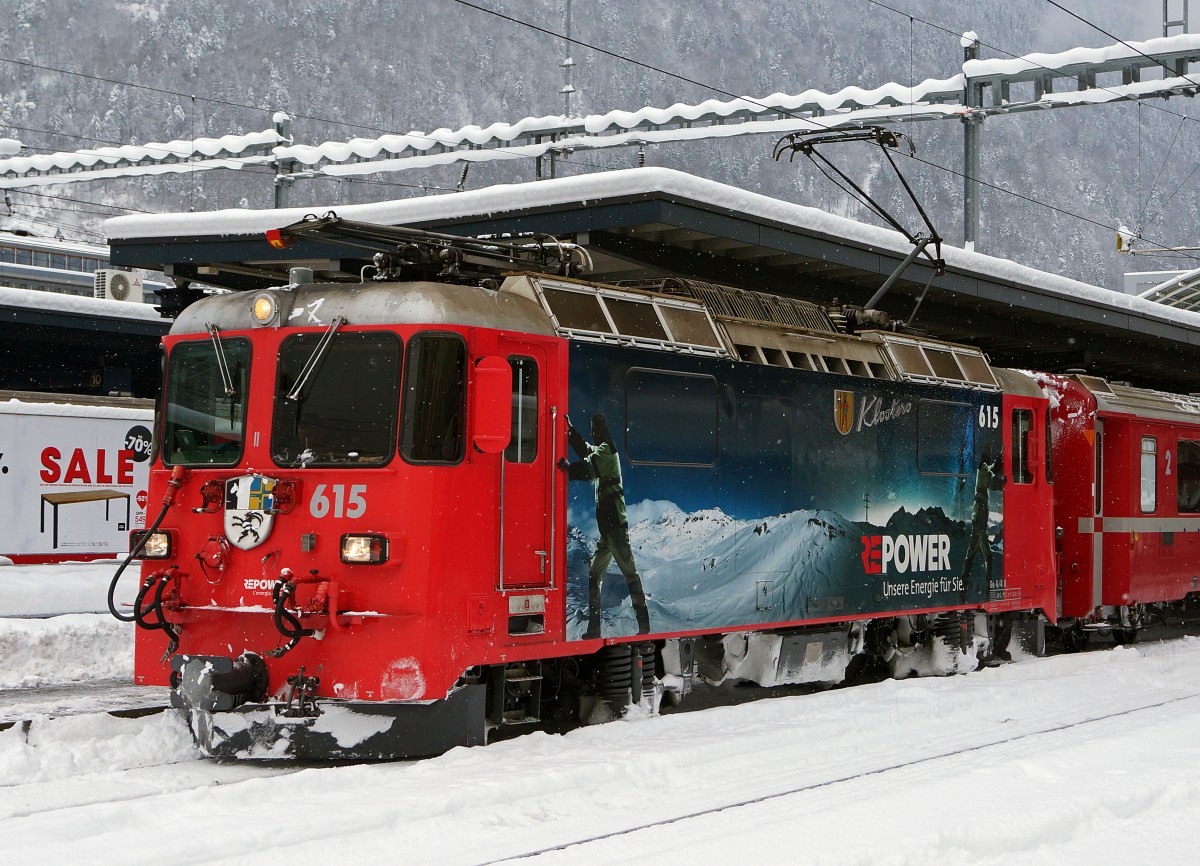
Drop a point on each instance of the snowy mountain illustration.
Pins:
(707, 569)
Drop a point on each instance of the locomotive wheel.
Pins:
(1125, 635)
(1001, 637)
(1074, 639)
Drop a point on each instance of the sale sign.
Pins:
(72, 479)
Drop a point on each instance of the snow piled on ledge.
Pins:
(34, 299)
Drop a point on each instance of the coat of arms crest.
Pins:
(249, 510)
(843, 411)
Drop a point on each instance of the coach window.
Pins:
(670, 418)
(522, 448)
(1188, 475)
(435, 398)
(343, 413)
(1022, 426)
(1149, 492)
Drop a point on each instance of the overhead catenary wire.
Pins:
(1111, 36)
(63, 198)
(215, 101)
(724, 92)
(180, 94)
(1158, 174)
(1012, 55)
(1032, 200)
(574, 41)
(1183, 118)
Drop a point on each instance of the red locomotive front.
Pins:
(304, 547)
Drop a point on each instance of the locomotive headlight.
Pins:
(366, 549)
(264, 310)
(157, 546)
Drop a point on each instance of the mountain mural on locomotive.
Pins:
(756, 495)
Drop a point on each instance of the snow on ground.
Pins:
(67, 649)
(71, 587)
(82, 643)
(1072, 759)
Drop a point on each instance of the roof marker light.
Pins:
(264, 309)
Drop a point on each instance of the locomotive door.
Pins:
(526, 469)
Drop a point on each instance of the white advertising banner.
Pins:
(72, 479)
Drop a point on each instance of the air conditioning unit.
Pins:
(117, 285)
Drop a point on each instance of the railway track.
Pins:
(577, 847)
(21, 706)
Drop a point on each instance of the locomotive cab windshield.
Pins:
(204, 424)
(343, 411)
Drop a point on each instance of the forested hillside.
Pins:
(214, 67)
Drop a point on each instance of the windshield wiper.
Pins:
(318, 353)
(222, 362)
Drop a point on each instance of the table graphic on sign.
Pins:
(54, 500)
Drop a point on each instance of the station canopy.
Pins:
(648, 223)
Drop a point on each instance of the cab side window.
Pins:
(433, 429)
(522, 448)
(1022, 426)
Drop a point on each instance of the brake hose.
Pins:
(286, 623)
(173, 484)
(142, 613)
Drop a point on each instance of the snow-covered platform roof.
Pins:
(648, 222)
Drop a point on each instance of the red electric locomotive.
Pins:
(382, 534)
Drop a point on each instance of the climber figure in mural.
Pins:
(600, 464)
(988, 477)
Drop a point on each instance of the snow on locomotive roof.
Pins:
(317, 304)
(584, 189)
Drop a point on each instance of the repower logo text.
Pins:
(883, 554)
